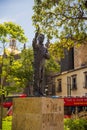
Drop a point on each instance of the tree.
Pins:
(21, 71)
(64, 20)
(8, 30)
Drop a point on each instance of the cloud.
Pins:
(7, 19)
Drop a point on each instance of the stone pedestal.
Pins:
(38, 113)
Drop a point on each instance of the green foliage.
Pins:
(75, 124)
(21, 71)
(3, 30)
(15, 31)
(56, 50)
(62, 20)
(7, 123)
(52, 66)
(11, 30)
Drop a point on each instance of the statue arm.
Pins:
(47, 44)
(34, 42)
(47, 55)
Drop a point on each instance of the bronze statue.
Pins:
(40, 54)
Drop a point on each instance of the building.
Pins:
(72, 81)
(12, 49)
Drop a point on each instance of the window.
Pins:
(85, 78)
(59, 87)
(85, 94)
(74, 82)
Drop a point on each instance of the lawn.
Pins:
(7, 123)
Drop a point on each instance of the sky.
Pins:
(19, 12)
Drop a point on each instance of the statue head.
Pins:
(40, 38)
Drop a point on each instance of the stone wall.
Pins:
(80, 56)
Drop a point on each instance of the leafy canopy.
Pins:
(11, 30)
(64, 20)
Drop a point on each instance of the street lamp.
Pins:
(68, 86)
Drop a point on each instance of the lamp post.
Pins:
(68, 86)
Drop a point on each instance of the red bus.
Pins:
(8, 100)
(73, 103)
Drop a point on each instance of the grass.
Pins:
(7, 123)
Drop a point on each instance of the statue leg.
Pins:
(36, 86)
(41, 81)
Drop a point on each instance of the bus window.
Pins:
(68, 110)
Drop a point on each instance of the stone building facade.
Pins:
(80, 56)
(72, 81)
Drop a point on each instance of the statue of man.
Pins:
(40, 54)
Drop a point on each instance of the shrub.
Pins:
(7, 123)
(75, 124)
